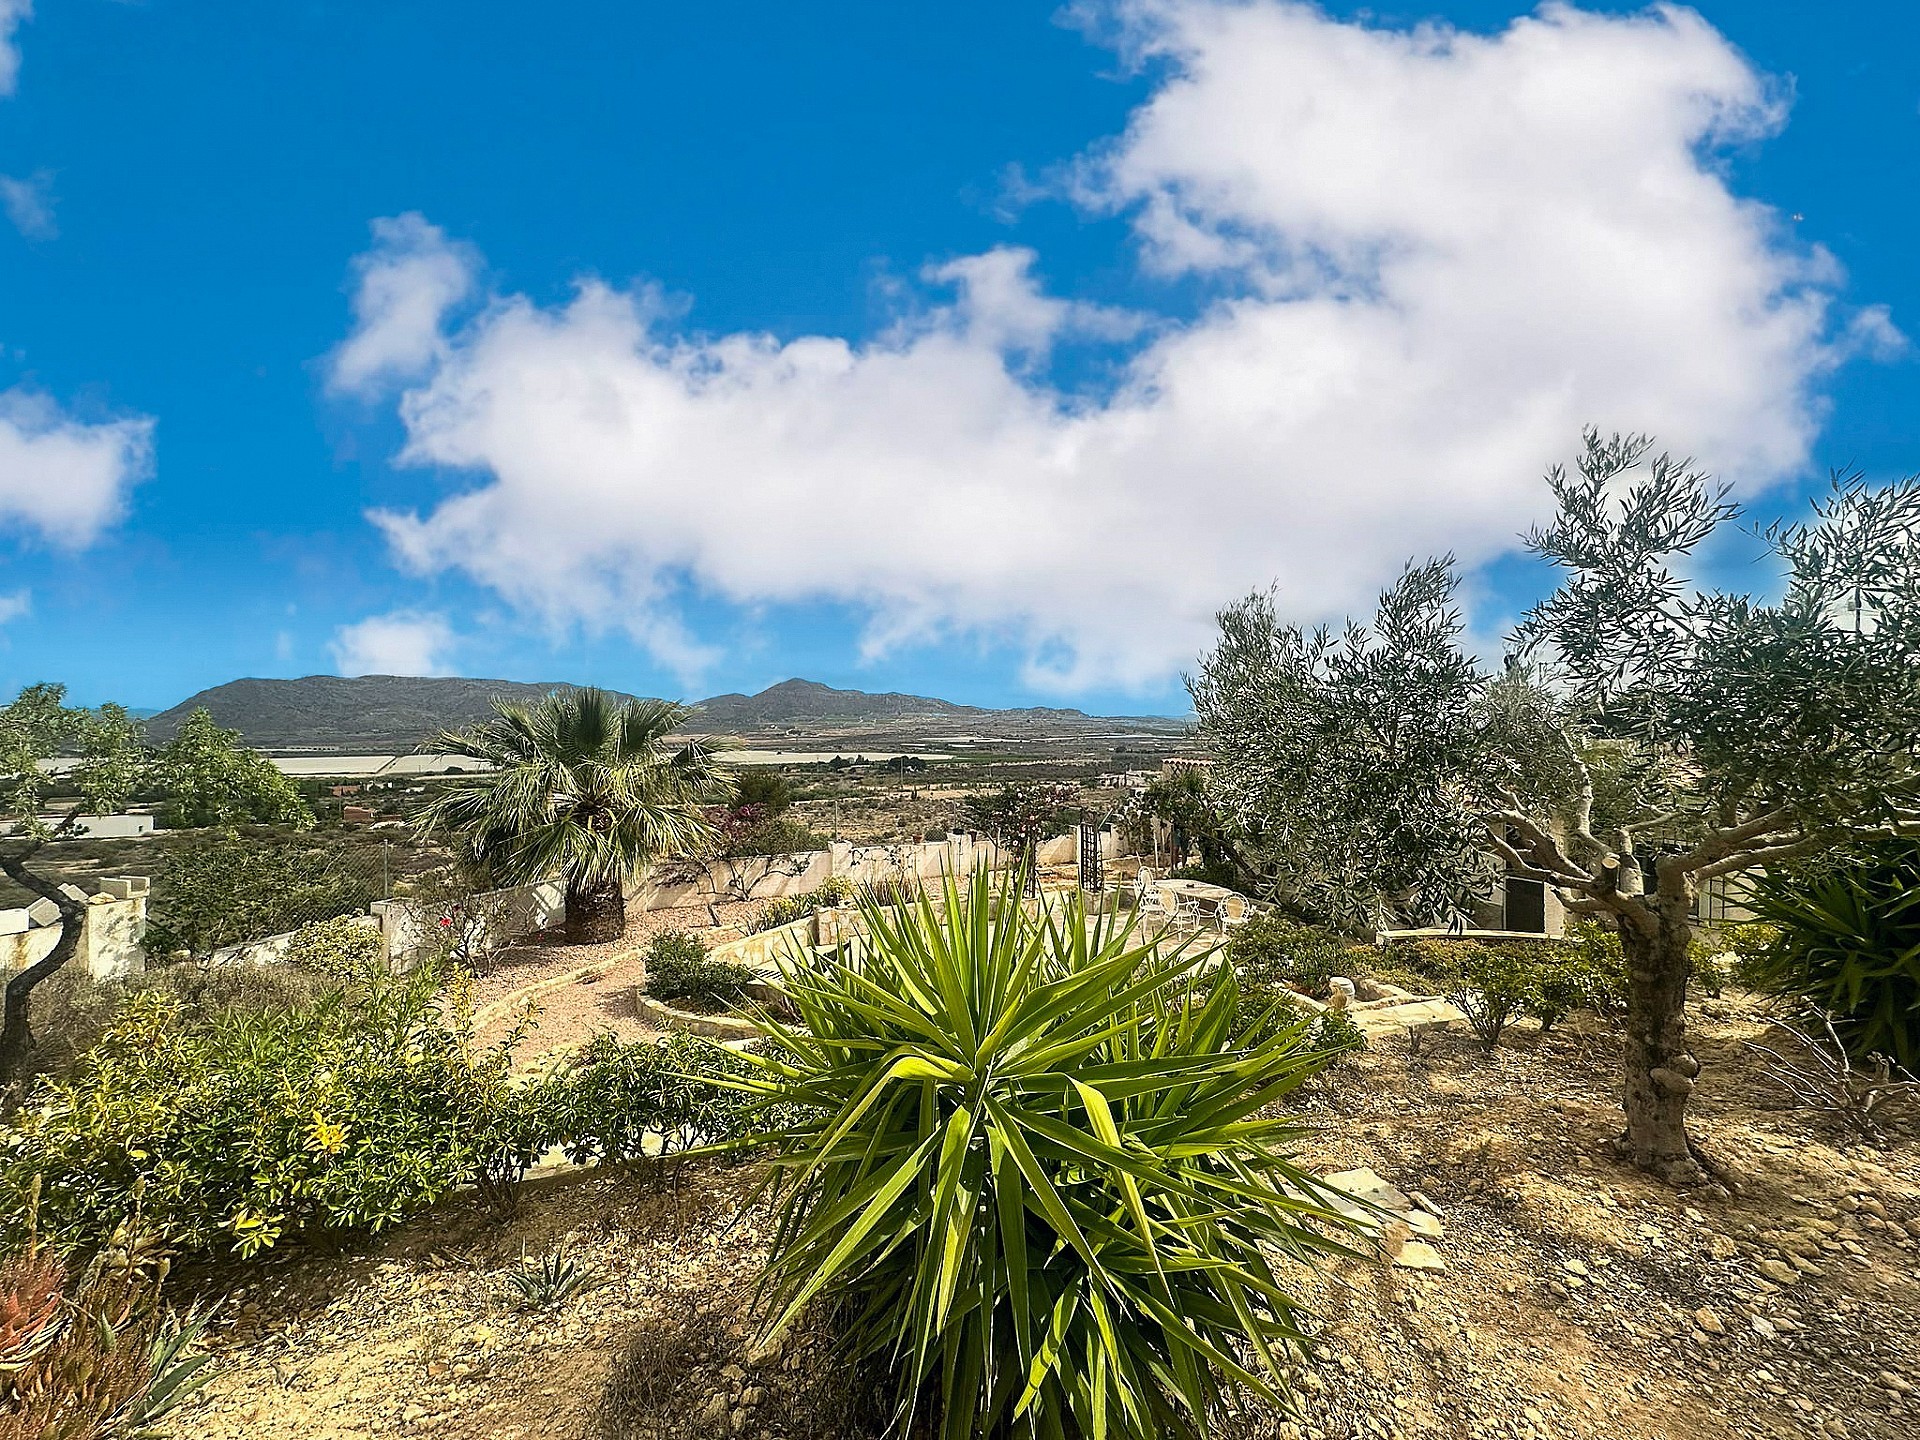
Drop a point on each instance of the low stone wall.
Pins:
(495, 918)
(764, 877)
(112, 930)
(761, 951)
(714, 1027)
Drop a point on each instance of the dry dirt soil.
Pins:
(1578, 1299)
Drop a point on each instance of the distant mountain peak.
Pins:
(799, 699)
(387, 714)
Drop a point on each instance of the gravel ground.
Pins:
(1578, 1300)
(570, 1015)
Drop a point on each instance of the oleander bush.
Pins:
(248, 1128)
(1036, 1165)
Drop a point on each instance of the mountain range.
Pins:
(388, 713)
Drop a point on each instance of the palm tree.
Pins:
(583, 787)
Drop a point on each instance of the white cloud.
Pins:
(29, 204)
(15, 605)
(66, 478)
(406, 285)
(1439, 255)
(12, 14)
(403, 642)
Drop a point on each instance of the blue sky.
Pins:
(966, 349)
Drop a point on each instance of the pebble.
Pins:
(1708, 1321)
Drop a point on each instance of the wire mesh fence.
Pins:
(212, 889)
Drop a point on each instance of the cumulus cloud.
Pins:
(403, 642)
(14, 605)
(66, 478)
(13, 13)
(1435, 256)
(29, 204)
(405, 286)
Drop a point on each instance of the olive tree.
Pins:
(1339, 757)
(90, 761)
(1680, 736)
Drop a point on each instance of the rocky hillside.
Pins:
(380, 714)
(793, 701)
(387, 713)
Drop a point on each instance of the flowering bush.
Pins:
(252, 1127)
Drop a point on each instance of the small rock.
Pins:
(1418, 1255)
(1778, 1271)
(1574, 1267)
(1708, 1321)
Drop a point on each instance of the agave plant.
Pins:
(1031, 1156)
(1849, 943)
(553, 1279)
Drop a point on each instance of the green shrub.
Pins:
(1545, 979)
(1331, 1033)
(204, 991)
(1039, 1165)
(339, 949)
(255, 1127)
(1490, 984)
(1749, 941)
(1849, 944)
(678, 968)
(1271, 950)
(785, 909)
(613, 1095)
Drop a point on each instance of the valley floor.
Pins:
(1578, 1300)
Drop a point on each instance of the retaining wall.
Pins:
(111, 930)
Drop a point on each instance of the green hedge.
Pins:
(228, 1130)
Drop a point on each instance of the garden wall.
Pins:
(763, 877)
(111, 931)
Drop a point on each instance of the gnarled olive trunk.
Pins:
(1659, 1068)
(596, 914)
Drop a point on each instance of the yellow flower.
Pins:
(325, 1136)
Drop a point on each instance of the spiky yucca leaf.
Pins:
(1036, 1169)
(1849, 942)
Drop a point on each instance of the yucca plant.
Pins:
(1030, 1156)
(1849, 943)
